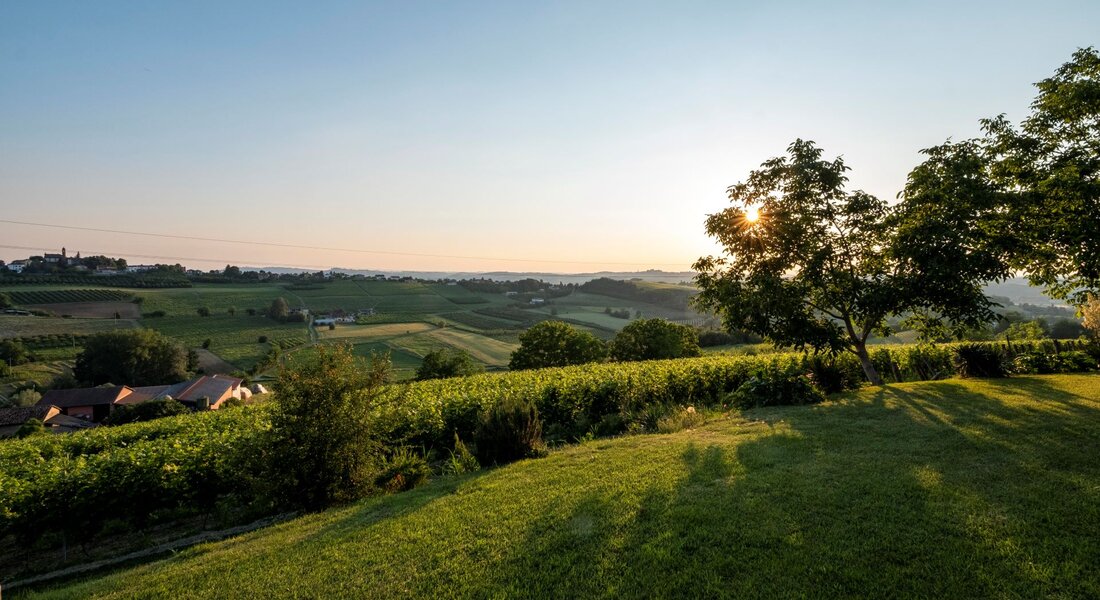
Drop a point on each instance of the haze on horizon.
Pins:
(563, 137)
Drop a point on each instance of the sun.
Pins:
(752, 214)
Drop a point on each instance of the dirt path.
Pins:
(211, 363)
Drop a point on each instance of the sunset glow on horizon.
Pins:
(567, 137)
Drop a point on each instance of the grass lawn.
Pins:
(965, 489)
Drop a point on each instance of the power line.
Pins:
(330, 249)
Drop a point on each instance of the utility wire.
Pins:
(330, 249)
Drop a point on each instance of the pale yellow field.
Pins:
(486, 349)
(379, 331)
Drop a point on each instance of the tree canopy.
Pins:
(131, 357)
(443, 363)
(556, 344)
(1032, 192)
(807, 263)
(654, 339)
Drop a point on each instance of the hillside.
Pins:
(949, 488)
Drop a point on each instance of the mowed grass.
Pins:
(962, 489)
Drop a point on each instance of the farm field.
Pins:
(412, 318)
(19, 326)
(953, 488)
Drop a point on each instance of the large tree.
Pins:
(807, 263)
(1034, 188)
(131, 357)
(556, 344)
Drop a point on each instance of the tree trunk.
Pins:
(868, 366)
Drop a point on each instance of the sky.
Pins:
(474, 136)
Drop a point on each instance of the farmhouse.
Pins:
(11, 419)
(202, 393)
(94, 405)
(90, 404)
(17, 266)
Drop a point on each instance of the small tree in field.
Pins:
(808, 263)
(556, 344)
(443, 363)
(279, 309)
(654, 339)
(323, 445)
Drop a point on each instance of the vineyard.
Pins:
(170, 466)
(65, 296)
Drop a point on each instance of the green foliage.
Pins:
(979, 360)
(1090, 315)
(776, 384)
(146, 411)
(443, 363)
(30, 428)
(823, 267)
(13, 352)
(1024, 330)
(461, 460)
(26, 397)
(203, 311)
(323, 445)
(509, 431)
(133, 357)
(402, 470)
(654, 339)
(556, 344)
(74, 483)
(279, 309)
(684, 418)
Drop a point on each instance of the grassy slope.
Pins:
(951, 488)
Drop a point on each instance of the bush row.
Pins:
(78, 481)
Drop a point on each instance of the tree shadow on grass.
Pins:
(932, 490)
(942, 491)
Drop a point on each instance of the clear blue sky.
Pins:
(579, 135)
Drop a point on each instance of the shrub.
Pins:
(979, 360)
(685, 418)
(323, 445)
(461, 459)
(509, 431)
(206, 344)
(203, 311)
(776, 385)
(156, 314)
(444, 363)
(263, 339)
(402, 470)
(556, 344)
(26, 397)
(654, 339)
(146, 411)
(1076, 361)
(30, 428)
(833, 374)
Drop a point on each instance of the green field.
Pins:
(17, 326)
(955, 488)
(486, 325)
